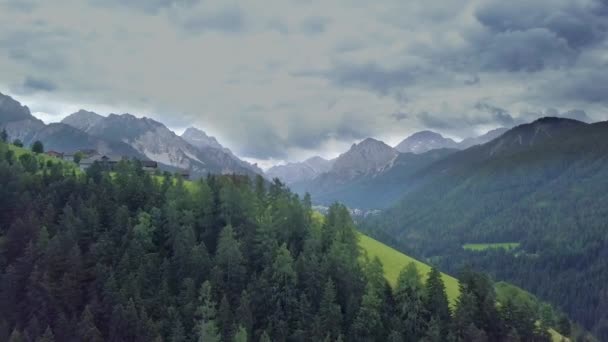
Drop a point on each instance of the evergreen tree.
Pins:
(244, 315)
(436, 301)
(229, 272)
(330, 313)
(409, 302)
(87, 330)
(38, 147)
(18, 143)
(368, 323)
(48, 336)
(225, 319)
(241, 335)
(207, 329)
(4, 136)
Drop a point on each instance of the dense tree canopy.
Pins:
(129, 256)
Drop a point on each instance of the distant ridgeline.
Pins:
(127, 256)
(530, 208)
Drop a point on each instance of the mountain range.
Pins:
(124, 135)
(372, 174)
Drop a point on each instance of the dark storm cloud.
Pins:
(33, 85)
(315, 25)
(373, 77)
(39, 46)
(228, 19)
(531, 50)
(483, 114)
(576, 114)
(524, 36)
(578, 25)
(496, 114)
(582, 87)
(399, 116)
(151, 6)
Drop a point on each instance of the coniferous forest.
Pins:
(129, 256)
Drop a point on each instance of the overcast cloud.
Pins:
(284, 80)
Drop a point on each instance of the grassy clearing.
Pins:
(394, 261)
(484, 246)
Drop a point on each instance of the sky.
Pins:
(284, 80)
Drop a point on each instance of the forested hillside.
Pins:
(543, 185)
(134, 257)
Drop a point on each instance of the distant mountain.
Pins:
(369, 175)
(82, 120)
(367, 157)
(373, 190)
(301, 171)
(21, 124)
(17, 120)
(154, 140)
(482, 139)
(424, 141)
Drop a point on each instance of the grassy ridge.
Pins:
(394, 261)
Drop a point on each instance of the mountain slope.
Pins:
(377, 190)
(200, 139)
(544, 185)
(17, 120)
(482, 139)
(21, 124)
(302, 171)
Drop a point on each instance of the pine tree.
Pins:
(436, 301)
(206, 328)
(48, 336)
(241, 335)
(4, 136)
(38, 147)
(368, 323)
(87, 330)
(330, 313)
(16, 336)
(410, 308)
(229, 272)
(264, 337)
(177, 333)
(224, 316)
(244, 315)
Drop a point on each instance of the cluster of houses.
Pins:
(86, 158)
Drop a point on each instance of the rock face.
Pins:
(82, 120)
(425, 141)
(17, 120)
(302, 171)
(200, 139)
(157, 142)
(368, 156)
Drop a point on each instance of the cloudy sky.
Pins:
(284, 80)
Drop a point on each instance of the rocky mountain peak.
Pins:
(367, 156)
(424, 141)
(199, 138)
